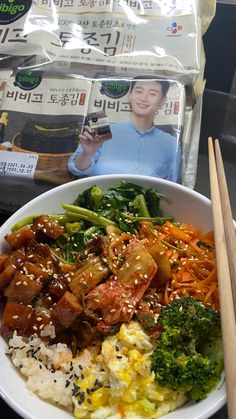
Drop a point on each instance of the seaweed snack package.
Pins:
(117, 40)
(109, 33)
(42, 117)
(25, 28)
(132, 126)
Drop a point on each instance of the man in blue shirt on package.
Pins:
(137, 146)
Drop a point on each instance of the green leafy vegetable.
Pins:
(123, 204)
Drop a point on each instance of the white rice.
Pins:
(50, 370)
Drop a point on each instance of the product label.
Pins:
(118, 108)
(117, 41)
(78, 6)
(45, 116)
(139, 7)
(52, 96)
(17, 164)
(12, 10)
(110, 40)
(139, 132)
(28, 79)
(114, 88)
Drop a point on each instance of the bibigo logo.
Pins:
(28, 79)
(12, 10)
(174, 29)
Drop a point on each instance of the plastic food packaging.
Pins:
(99, 86)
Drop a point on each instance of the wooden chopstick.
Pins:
(230, 234)
(227, 313)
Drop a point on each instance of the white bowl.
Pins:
(182, 203)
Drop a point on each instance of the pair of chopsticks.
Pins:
(225, 244)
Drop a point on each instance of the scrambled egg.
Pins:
(120, 383)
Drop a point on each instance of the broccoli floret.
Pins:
(195, 375)
(183, 359)
(187, 322)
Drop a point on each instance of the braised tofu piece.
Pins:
(88, 275)
(67, 309)
(20, 237)
(22, 288)
(17, 317)
(51, 228)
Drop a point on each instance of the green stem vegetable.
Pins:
(143, 209)
(133, 218)
(61, 218)
(96, 195)
(88, 215)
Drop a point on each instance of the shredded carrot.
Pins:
(192, 257)
(177, 233)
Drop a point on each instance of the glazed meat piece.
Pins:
(20, 237)
(9, 265)
(17, 317)
(22, 289)
(67, 309)
(25, 320)
(46, 225)
(3, 259)
(6, 275)
(57, 286)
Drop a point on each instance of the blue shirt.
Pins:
(153, 153)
